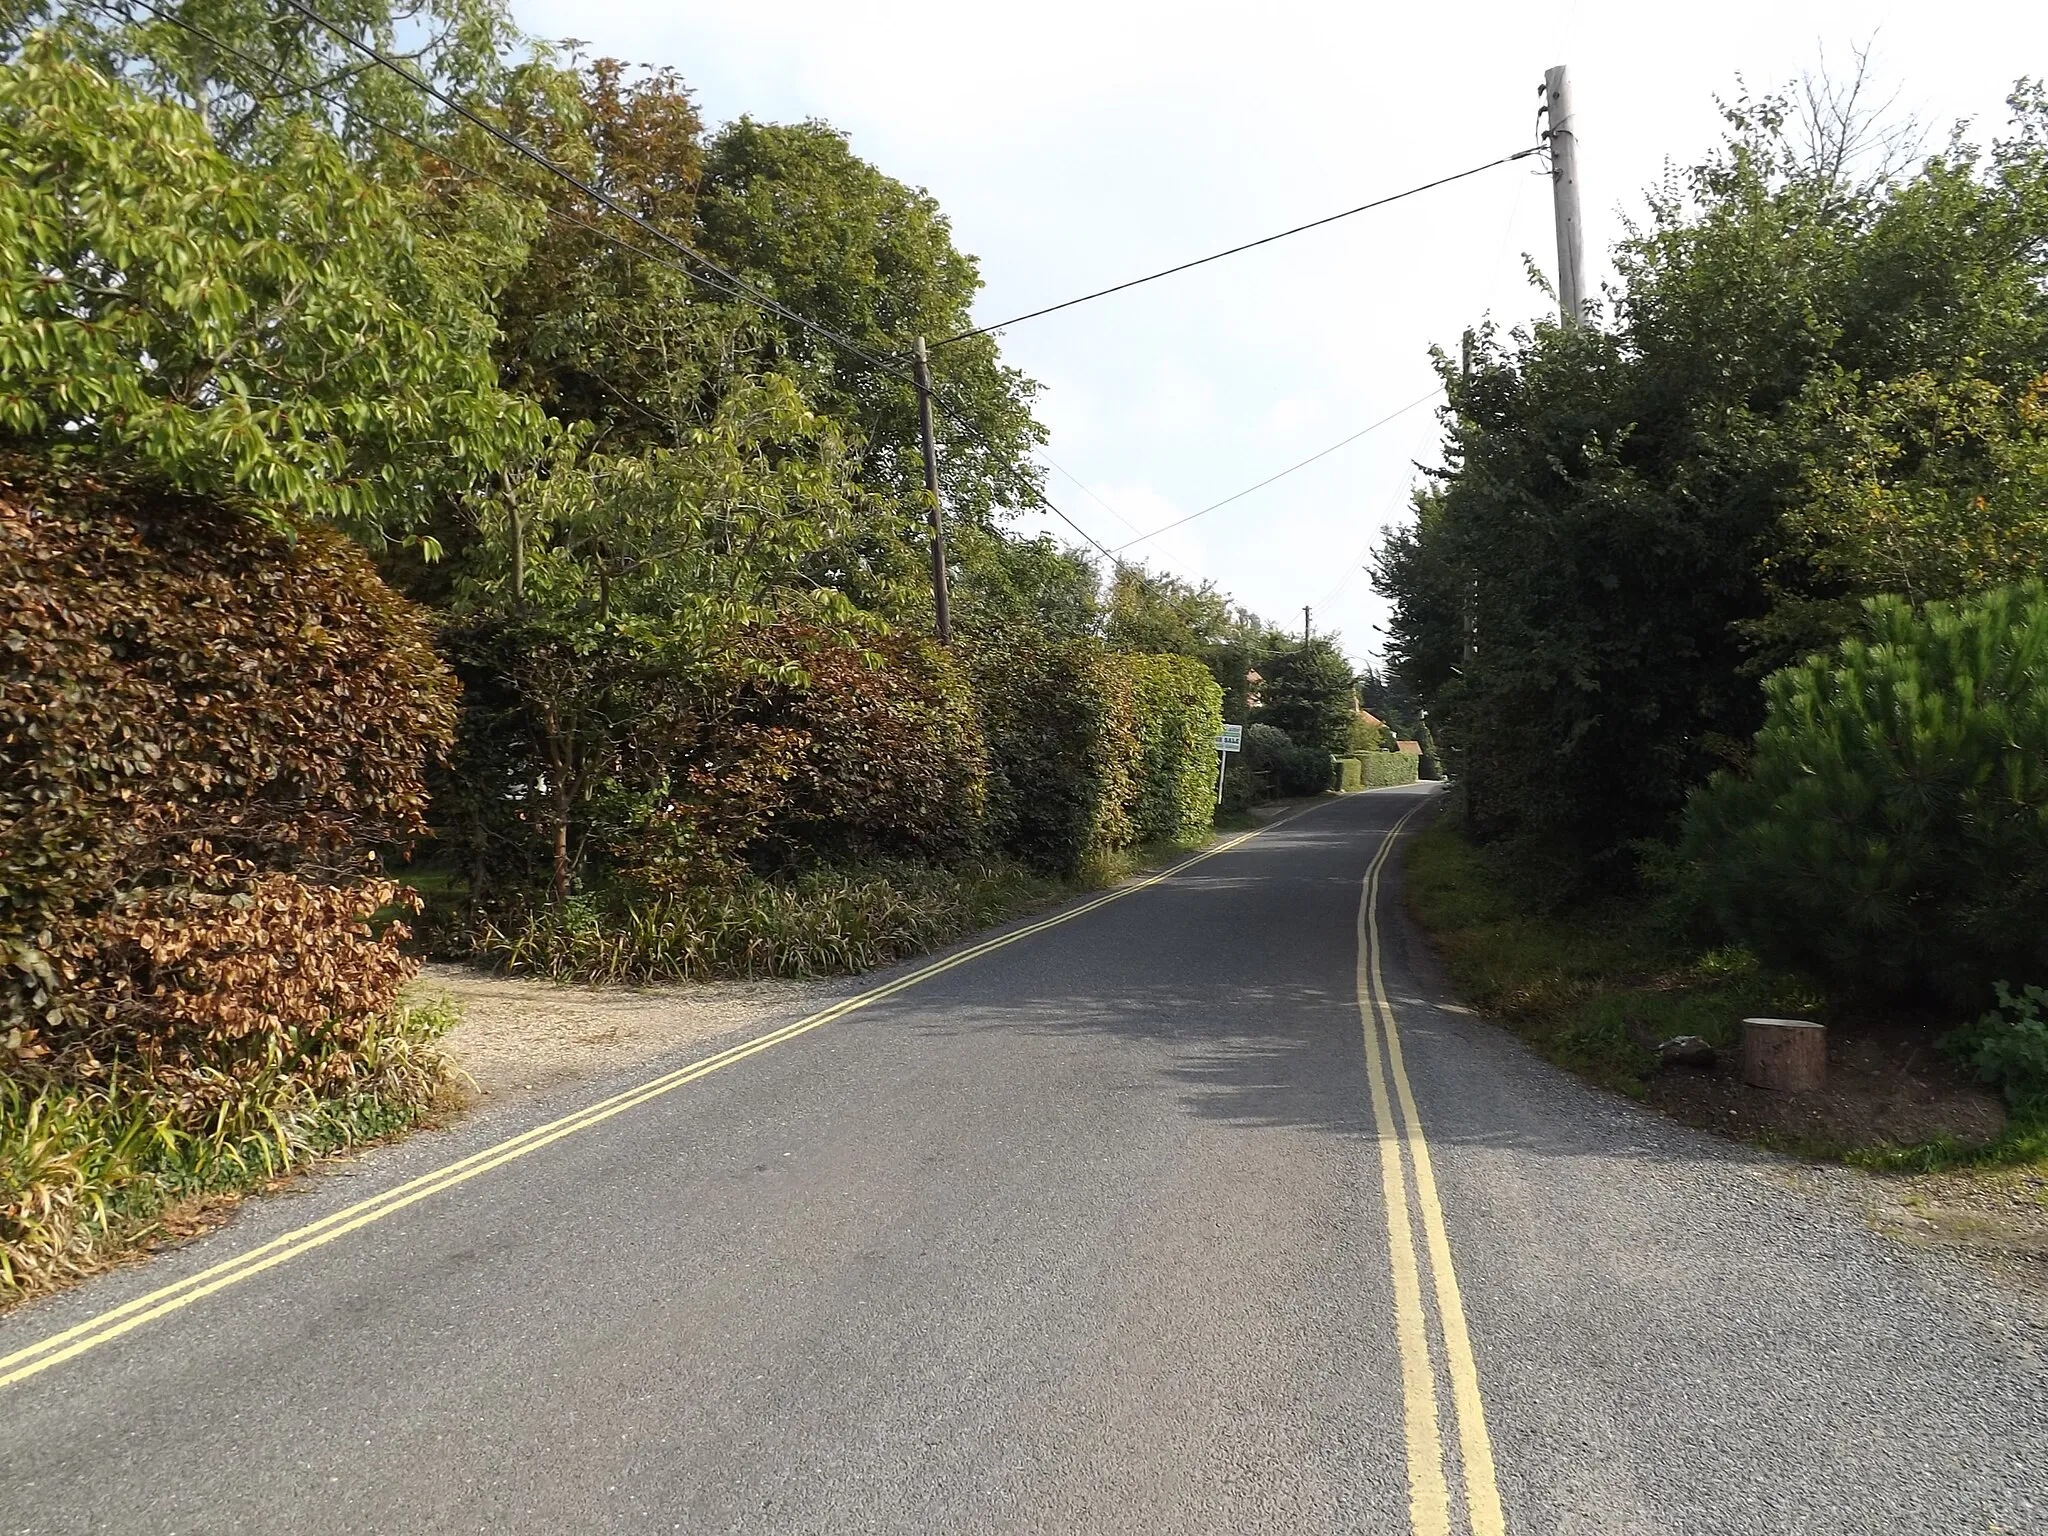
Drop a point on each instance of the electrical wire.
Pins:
(1283, 474)
(1249, 245)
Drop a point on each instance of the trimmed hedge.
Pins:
(1178, 711)
(1347, 774)
(1091, 750)
(1376, 770)
(208, 730)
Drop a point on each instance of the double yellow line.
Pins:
(107, 1326)
(1429, 1501)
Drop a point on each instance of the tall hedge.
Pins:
(1061, 751)
(893, 758)
(1090, 750)
(208, 731)
(1892, 827)
(1178, 711)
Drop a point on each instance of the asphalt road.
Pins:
(1115, 1227)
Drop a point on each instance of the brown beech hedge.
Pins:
(210, 731)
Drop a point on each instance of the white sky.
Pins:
(1078, 144)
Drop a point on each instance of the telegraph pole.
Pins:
(1564, 192)
(1304, 624)
(921, 369)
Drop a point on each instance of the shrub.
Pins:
(1350, 774)
(821, 922)
(208, 728)
(1893, 825)
(1280, 767)
(1063, 755)
(2008, 1047)
(1363, 736)
(1178, 712)
(893, 759)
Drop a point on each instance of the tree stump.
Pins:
(1784, 1055)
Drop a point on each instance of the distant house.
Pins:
(1412, 748)
(1252, 680)
(1371, 719)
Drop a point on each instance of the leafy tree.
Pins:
(1307, 693)
(796, 212)
(279, 331)
(1820, 380)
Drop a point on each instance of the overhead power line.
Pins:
(1249, 245)
(1283, 474)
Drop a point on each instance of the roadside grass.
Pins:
(90, 1174)
(1594, 989)
(820, 923)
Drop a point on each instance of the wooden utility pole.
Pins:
(1304, 623)
(921, 368)
(1564, 192)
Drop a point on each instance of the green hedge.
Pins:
(1178, 711)
(1376, 770)
(1091, 750)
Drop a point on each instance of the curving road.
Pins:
(1138, 1219)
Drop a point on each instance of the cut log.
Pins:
(1784, 1055)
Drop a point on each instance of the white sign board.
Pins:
(1230, 739)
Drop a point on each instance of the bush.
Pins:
(1350, 774)
(1363, 736)
(2008, 1047)
(206, 728)
(1280, 768)
(1063, 756)
(820, 922)
(1178, 713)
(1893, 825)
(893, 759)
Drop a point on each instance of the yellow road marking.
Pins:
(1428, 1504)
(106, 1326)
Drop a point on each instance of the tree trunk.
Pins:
(1784, 1055)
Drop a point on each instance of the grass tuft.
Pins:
(89, 1170)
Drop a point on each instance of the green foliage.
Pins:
(2008, 1048)
(1892, 825)
(1278, 767)
(1350, 774)
(1307, 693)
(1177, 712)
(1385, 770)
(793, 209)
(1364, 736)
(1064, 757)
(1815, 385)
(1158, 613)
(1029, 590)
(279, 330)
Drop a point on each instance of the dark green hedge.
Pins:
(1090, 749)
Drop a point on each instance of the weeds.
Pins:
(88, 1169)
(823, 922)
